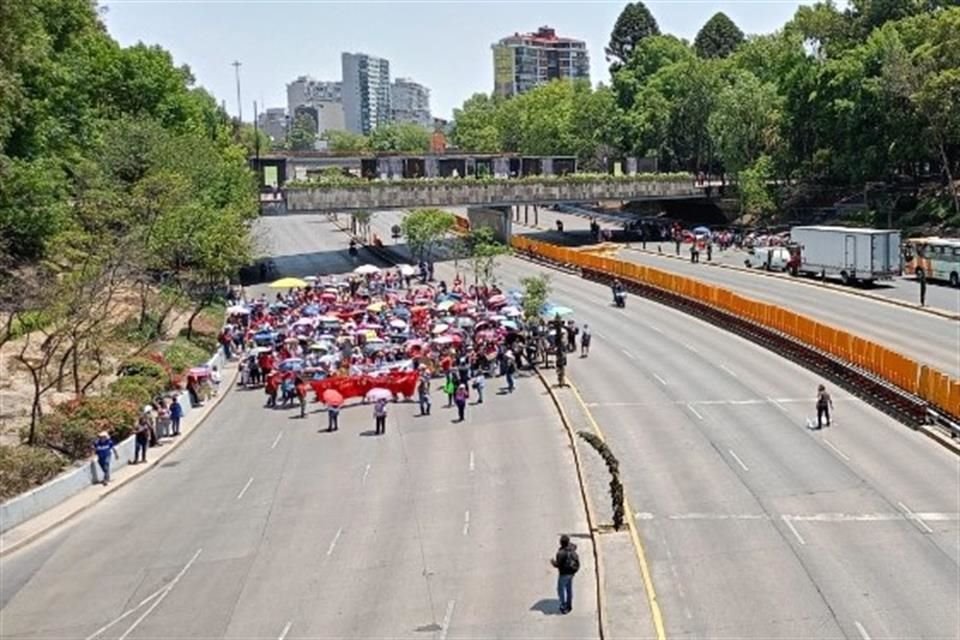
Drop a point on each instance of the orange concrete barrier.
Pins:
(931, 385)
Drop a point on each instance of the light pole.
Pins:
(236, 67)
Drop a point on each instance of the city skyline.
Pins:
(422, 40)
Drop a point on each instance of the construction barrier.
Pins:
(934, 387)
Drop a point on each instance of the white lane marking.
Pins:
(739, 461)
(628, 354)
(657, 329)
(793, 529)
(276, 440)
(445, 626)
(126, 614)
(600, 335)
(472, 465)
(807, 517)
(245, 487)
(286, 630)
(660, 380)
(915, 517)
(694, 411)
(863, 632)
(466, 522)
(777, 404)
(333, 543)
(366, 472)
(836, 450)
(729, 370)
(156, 603)
(692, 348)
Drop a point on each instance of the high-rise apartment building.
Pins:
(366, 92)
(273, 123)
(410, 102)
(525, 60)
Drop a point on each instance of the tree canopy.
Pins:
(633, 24)
(718, 38)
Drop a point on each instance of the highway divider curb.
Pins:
(587, 503)
(163, 452)
(810, 283)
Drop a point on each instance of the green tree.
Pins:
(475, 125)
(424, 228)
(536, 292)
(484, 250)
(303, 133)
(633, 24)
(746, 121)
(718, 38)
(401, 137)
(346, 142)
(756, 200)
(650, 55)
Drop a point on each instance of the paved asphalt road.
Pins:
(261, 526)
(939, 295)
(756, 526)
(930, 339)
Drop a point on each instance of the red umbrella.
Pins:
(328, 296)
(332, 398)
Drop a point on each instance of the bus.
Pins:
(937, 258)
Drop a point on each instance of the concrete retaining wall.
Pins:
(69, 483)
(387, 195)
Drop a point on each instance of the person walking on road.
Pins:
(923, 288)
(460, 398)
(423, 394)
(567, 563)
(103, 445)
(585, 341)
(380, 416)
(479, 382)
(333, 418)
(824, 404)
(511, 370)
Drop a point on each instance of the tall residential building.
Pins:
(525, 60)
(273, 123)
(320, 98)
(366, 92)
(410, 102)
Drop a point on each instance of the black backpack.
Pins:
(572, 561)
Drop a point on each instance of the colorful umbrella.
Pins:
(379, 393)
(440, 328)
(332, 398)
(367, 269)
(376, 307)
(288, 283)
(238, 310)
(446, 304)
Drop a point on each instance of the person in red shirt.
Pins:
(271, 387)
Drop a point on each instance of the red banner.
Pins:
(404, 383)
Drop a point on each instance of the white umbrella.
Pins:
(397, 323)
(237, 309)
(407, 270)
(310, 278)
(367, 269)
(440, 328)
(510, 312)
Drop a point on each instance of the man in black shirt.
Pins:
(567, 563)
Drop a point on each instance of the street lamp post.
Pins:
(236, 67)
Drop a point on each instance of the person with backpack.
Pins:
(567, 563)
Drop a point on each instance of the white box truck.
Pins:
(853, 254)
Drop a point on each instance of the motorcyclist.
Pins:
(619, 294)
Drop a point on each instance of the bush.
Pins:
(144, 367)
(183, 354)
(22, 468)
(72, 427)
(137, 389)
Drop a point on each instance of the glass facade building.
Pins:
(526, 60)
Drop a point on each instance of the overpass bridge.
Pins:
(359, 194)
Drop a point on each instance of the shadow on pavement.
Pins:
(547, 606)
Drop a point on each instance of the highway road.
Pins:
(756, 526)
(930, 339)
(262, 526)
(939, 295)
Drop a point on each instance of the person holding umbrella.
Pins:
(333, 399)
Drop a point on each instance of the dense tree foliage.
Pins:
(718, 38)
(633, 24)
(400, 137)
(302, 135)
(836, 98)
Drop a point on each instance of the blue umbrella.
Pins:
(703, 230)
(311, 310)
(291, 364)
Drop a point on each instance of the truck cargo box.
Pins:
(850, 253)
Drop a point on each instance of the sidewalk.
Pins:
(36, 527)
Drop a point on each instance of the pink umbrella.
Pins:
(332, 398)
(379, 393)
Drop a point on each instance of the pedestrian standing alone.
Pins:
(103, 445)
(142, 439)
(176, 414)
(923, 288)
(511, 370)
(333, 418)
(460, 398)
(423, 393)
(567, 563)
(824, 404)
(585, 341)
(380, 416)
(479, 382)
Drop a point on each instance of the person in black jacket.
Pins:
(567, 563)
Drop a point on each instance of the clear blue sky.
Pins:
(444, 45)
